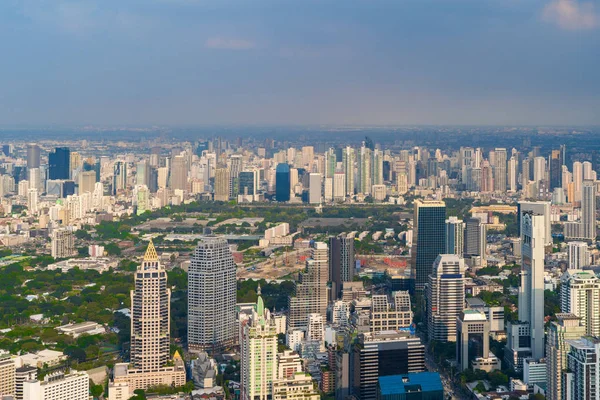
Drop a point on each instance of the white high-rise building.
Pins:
(348, 160)
(513, 172)
(455, 236)
(577, 181)
(445, 297)
(531, 291)
(314, 188)
(63, 243)
(58, 386)
(588, 210)
(211, 296)
(500, 170)
(339, 186)
(583, 369)
(579, 255)
(539, 169)
(258, 354)
(580, 295)
(316, 329)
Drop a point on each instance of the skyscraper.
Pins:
(348, 160)
(445, 297)
(579, 255)
(475, 239)
(310, 294)
(33, 156)
(365, 170)
(211, 296)
(282, 182)
(341, 263)
(577, 181)
(455, 235)
(580, 295)
(87, 182)
(247, 183)
(59, 163)
(583, 369)
(179, 173)
(500, 170)
(222, 184)
(314, 188)
(429, 238)
(588, 210)
(531, 291)
(567, 327)
(556, 163)
(119, 177)
(150, 352)
(258, 354)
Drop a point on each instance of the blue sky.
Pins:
(380, 62)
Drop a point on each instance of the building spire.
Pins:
(150, 252)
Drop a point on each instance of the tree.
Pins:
(96, 390)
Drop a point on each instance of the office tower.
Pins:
(87, 182)
(314, 188)
(235, 167)
(580, 295)
(7, 376)
(35, 179)
(525, 172)
(500, 170)
(465, 160)
(143, 200)
(377, 175)
(119, 177)
(513, 173)
(58, 386)
(211, 296)
(538, 208)
(487, 177)
(556, 163)
(348, 160)
(59, 163)
(539, 169)
(282, 183)
(531, 291)
(455, 235)
(258, 354)
(32, 200)
(142, 173)
(579, 255)
(246, 183)
(179, 172)
(63, 244)
(475, 239)
(445, 297)
(341, 263)
(566, 327)
(577, 180)
(386, 316)
(33, 156)
(150, 322)
(583, 369)
(308, 155)
(339, 186)
(310, 294)
(23, 374)
(586, 167)
(330, 163)
(162, 177)
(588, 210)
(365, 170)
(473, 342)
(377, 354)
(429, 238)
(222, 183)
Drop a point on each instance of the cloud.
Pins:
(229, 44)
(571, 14)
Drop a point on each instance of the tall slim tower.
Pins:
(282, 182)
(341, 262)
(222, 183)
(59, 163)
(179, 173)
(211, 296)
(500, 170)
(33, 156)
(429, 238)
(348, 159)
(455, 236)
(150, 318)
(580, 295)
(531, 291)
(588, 210)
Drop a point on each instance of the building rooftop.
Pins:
(410, 383)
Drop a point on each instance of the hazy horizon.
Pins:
(202, 63)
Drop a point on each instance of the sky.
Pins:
(299, 62)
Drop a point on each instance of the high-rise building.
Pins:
(556, 163)
(455, 235)
(539, 208)
(365, 170)
(588, 210)
(119, 177)
(475, 239)
(22, 375)
(282, 182)
(386, 316)
(310, 294)
(87, 182)
(58, 386)
(247, 183)
(429, 238)
(341, 263)
(59, 163)
(348, 160)
(582, 377)
(566, 327)
(513, 172)
(531, 291)
(580, 295)
(579, 255)
(378, 177)
(222, 183)
(314, 188)
(179, 173)
(445, 297)
(150, 354)
(63, 243)
(299, 386)
(473, 342)
(258, 354)
(7, 376)
(339, 186)
(33, 156)
(577, 181)
(211, 296)
(500, 170)
(384, 353)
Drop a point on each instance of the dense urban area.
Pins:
(291, 264)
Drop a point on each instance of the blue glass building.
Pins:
(59, 162)
(282, 182)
